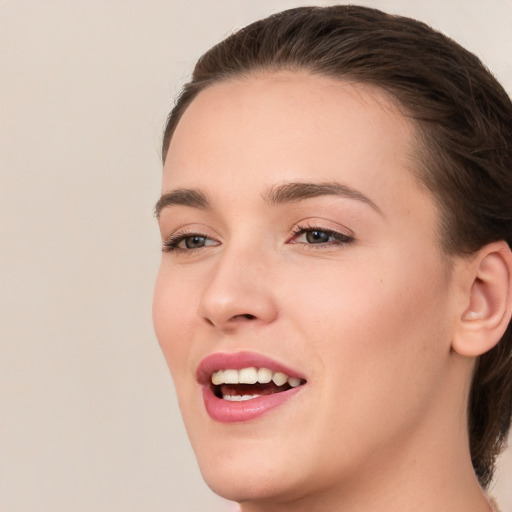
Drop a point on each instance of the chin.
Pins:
(254, 460)
(260, 469)
(249, 484)
(245, 486)
(241, 470)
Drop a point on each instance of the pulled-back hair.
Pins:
(463, 120)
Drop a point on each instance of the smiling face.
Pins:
(297, 240)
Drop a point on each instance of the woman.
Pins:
(334, 297)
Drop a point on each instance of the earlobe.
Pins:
(489, 303)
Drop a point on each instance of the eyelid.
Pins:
(170, 243)
(341, 233)
(341, 236)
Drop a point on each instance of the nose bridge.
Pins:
(239, 289)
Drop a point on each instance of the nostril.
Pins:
(235, 318)
(246, 316)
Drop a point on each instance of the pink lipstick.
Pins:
(242, 386)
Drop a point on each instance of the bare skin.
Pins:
(350, 288)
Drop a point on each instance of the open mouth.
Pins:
(250, 383)
(241, 386)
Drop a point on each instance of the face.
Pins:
(299, 247)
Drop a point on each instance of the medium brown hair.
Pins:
(464, 141)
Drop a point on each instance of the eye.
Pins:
(312, 235)
(184, 241)
(317, 237)
(192, 242)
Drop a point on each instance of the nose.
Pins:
(239, 292)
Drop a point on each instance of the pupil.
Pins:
(194, 242)
(317, 237)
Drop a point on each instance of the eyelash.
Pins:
(338, 238)
(171, 244)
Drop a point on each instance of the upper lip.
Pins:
(238, 360)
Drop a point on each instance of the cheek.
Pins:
(375, 330)
(371, 295)
(173, 313)
(374, 337)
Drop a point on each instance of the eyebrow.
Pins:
(278, 194)
(184, 197)
(297, 191)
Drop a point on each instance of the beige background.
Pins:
(88, 420)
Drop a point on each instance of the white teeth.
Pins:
(279, 378)
(253, 375)
(238, 398)
(248, 376)
(218, 378)
(264, 375)
(294, 382)
(231, 377)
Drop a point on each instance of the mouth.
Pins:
(240, 387)
(250, 383)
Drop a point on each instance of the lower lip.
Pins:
(225, 411)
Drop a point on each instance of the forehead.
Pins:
(290, 126)
(286, 96)
(291, 89)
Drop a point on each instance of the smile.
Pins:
(250, 383)
(240, 387)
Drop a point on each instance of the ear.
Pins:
(488, 305)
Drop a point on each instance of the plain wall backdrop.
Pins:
(88, 418)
